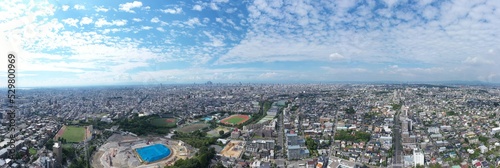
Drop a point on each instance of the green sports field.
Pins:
(74, 134)
(235, 120)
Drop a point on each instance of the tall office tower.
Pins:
(404, 126)
(57, 150)
(410, 126)
(418, 157)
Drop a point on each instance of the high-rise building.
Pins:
(57, 150)
(410, 122)
(46, 162)
(418, 157)
(404, 126)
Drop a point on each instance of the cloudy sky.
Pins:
(65, 43)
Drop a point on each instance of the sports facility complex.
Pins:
(139, 152)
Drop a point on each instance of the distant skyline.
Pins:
(78, 43)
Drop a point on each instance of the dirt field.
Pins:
(60, 132)
(215, 132)
(235, 119)
(233, 149)
(88, 132)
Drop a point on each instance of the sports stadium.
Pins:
(124, 150)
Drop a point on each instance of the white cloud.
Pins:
(342, 70)
(127, 7)
(102, 22)
(162, 23)
(219, 20)
(71, 21)
(220, 1)
(214, 41)
(425, 2)
(477, 61)
(79, 7)
(101, 9)
(391, 3)
(269, 75)
(193, 22)
(197, 7)
(214, 6)
(206, 20)
(65, 7)
(172, 11)
(120, 22)
(146, 27)
(160, 29)
(336, 56)
(137, 19)
(155, 20)
(231, 10)
(85, 20)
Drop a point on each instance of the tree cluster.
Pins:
(396, 106)
(49, 144)
(312, 145)
(196, 139)
(483, 139)
(267, 105)
(142, 125)
(62, 140)
(369, 115)
(355, 136)
(350, 110)
(201, 160)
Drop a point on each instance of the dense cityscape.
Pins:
(257, 125)
(250, 84)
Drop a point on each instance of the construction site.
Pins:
(120, 151)
(233, 149)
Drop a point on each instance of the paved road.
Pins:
(280, 142)
(397, 159)
(333, 135)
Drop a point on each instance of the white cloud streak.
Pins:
(127, 7)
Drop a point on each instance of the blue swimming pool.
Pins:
(153, 153)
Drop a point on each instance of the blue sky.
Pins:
(68, 43)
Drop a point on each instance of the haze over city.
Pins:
(67, 43)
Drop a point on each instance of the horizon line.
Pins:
(451, 82)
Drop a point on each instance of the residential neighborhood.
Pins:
(300, 125)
